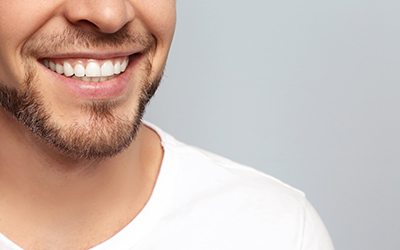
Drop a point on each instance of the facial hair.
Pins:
(105, 134)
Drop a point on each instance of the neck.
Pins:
(62, 194)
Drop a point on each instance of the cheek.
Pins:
(159, 17)
(19, 19)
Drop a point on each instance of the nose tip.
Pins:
(106, 16)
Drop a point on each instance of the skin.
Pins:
(51, 198)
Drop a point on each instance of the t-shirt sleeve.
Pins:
(315, 235)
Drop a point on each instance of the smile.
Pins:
(88, 70)
(97, 77)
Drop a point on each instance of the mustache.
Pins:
(74, 37)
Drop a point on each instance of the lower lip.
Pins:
(110, 89)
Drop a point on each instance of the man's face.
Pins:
(78, 73)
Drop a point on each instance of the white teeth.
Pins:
(52, 66)
(107, 69)
(79, 70)
(93, 71)
(68, 70)
(124, 65)
(59, 68)
(117, 68)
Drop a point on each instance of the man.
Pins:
(80, 170)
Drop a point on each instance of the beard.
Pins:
(104, 134)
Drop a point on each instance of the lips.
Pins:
(92, 78)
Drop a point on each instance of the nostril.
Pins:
(86, 25)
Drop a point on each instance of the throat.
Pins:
(46, 207)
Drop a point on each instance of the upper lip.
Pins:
(91, 54)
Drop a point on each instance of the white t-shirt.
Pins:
(202, 201)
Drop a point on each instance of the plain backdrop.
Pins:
(306, 91)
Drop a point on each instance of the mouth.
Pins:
(102, 77)
(88, 70)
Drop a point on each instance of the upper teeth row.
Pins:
(92, 69)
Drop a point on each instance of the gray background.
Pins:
(306, 91)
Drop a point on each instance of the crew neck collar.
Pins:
(159, 202)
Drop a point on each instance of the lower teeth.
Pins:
(93, 79)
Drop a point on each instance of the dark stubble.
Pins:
(106, 134)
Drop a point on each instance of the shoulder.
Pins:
(209, 171)
(244, 198)
(221, 196)
(205, 174)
